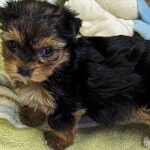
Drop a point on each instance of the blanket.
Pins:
(97, 21)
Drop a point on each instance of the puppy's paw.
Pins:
(146, 142)
(30, 117)
(62, 121)
(59, 141)
(58, 144)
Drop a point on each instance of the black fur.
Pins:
(108, 76)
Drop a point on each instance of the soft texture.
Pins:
(9, 109)
(24, 138)
(120, 138)
(20, 139)
(13, 134)
(89, 139)
(115, 17)
(125, 9)
(98, 21)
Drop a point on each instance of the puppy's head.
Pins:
(35, 37)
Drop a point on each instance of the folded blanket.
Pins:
(9, 109)
(115, 17)
(125, 9)
(99, 22)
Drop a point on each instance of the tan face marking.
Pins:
(12, 34)
(41, 71)
(47, 68)
(50, 41)
(29, 88)
(10, 65)
(42, 67)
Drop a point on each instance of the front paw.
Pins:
(59, 140)
(30, 117)
(61, 121)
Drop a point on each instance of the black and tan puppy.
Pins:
(58, 76)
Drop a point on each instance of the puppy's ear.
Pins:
(75, 24)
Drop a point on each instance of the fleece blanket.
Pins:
(105, 18)
(15, 136)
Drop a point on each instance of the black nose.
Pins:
(24, 71)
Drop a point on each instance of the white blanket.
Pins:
(125, 9)
(105, 17)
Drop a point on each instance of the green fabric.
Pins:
(87, 139)
(20, 139)
(121, 138)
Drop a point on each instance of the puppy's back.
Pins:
(118, 83)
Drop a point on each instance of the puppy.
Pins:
(37, 40)
(60, 77)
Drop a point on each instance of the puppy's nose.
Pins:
(24, 71)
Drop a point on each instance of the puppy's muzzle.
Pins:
(24, 71)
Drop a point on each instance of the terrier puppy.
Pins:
(37, 40)
(60, 77)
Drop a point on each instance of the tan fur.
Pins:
(10, 65)
(29, 89)
(78, 114)
(42, 72)
(35, 96)
(12, 34)
(31, 94)
(143, 115)
(41, 68)
(50, 41)
(59, 140)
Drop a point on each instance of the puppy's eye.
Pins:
(12, 45)
(46, 52)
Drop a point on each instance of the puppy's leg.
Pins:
(59, 140)
(62, 137)
(61, 121)
(143, 115)
(30, 117)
